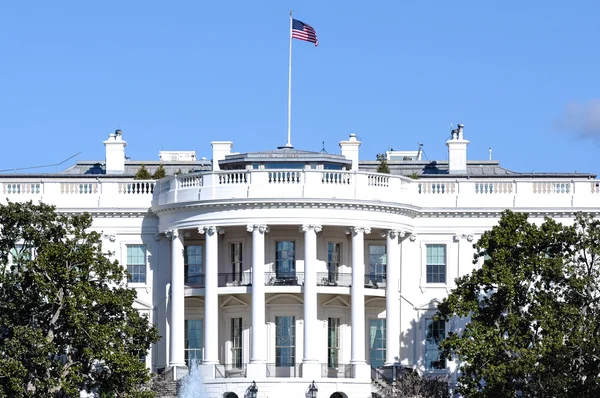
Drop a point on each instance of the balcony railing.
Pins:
(231, 279)
(194, 280)
(378, 281)
(284, 278)
(101, 192)
(336, 372)
(334, 279)
(226, 371)
(274, 370)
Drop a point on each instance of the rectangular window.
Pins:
(435, 332)
(193, 265)
(136, 263)
(377, 263)
(285, 260)
(377, 342)
(436, 263)
(236, 342)
(19, 255)
(236, 261)
(193, 341)
(285, 341)
(334, 251)
(333, 342)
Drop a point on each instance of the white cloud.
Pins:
(582, 119)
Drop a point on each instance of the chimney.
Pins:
(115, 153)
(350, 150)
(220, 150)
(457, 152)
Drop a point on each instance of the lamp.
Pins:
(312, 390)
(253, 390)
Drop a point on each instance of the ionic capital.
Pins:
(172, 234)
(262, 228)
(308, 227)
(210, 230)
(356, 230)
(392, 233)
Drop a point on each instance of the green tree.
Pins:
(383, 164)
(67, 321)
(160, 172)
(534, 309)
(143, 173)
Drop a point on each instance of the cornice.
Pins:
(386, 207)
(555, 212)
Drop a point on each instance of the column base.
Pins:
(256, 371)
(207, 371)
(361, 371)
(176, 372)
(311, 370)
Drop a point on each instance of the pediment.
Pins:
(284, 299)
(375, 302)
(233, 302)
(143, 304)
(336, 302)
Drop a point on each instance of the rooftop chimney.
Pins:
(350, 150)
(220, 150)
(115, 153)
(457, 152)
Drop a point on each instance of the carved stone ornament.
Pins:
(307, 227)
(355, 230)
(210, 230)
(172, 234)
(456, 238)
(110, 237)
(262, 228)
(412, 237)
(470, 238)
(392, 233)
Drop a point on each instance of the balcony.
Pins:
(445, 192)
(284, 278)
(233, 279)
(334, 279)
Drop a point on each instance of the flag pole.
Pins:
(289, 131)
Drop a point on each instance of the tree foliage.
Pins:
(160, 172)
(534, 308)
(67, 321)
(143, 173)
(383, 164)
(410, 384)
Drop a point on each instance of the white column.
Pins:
(357, 292)
(258, 349)
(177, 332)
(392, 297)
(310, 365)
(211, 298)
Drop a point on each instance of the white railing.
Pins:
(189, 181)
(320, 185)
(137, 187)
(25, 188)
(436, 188)
(78, 188)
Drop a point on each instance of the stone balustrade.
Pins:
(324, 185)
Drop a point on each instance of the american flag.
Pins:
(305, 32)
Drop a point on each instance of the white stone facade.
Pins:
(300, 274)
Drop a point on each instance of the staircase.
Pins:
(163, 387)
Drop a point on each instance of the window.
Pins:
(19, 255)
(435, 332)
(334, 251)
(236, 261)
(193, 265)
(193, 340)
(377, 263)
(333, 342)
(285, 260)
(377, 342)
(285, 341)
(236, 342)
(436, 263)
(136, 263)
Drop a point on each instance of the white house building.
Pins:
(279, 268)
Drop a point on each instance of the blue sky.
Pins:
(523, 77)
